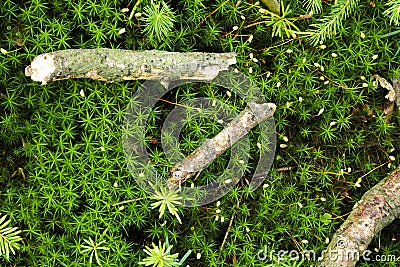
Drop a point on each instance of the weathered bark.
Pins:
(396, 88)
(118, 65)
(273, 6)
(377, 208)
(250, 117)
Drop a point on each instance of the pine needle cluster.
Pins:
(9, 238)
(315, 6)
(393, 11)
(329, 25)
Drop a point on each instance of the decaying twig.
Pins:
(250, 117)
(377, 208)
(284, 169)
(19, 170)
(118, 65)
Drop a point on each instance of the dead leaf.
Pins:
(396, 88)
(154, 141)
(19, 42)
(344, 192)
(391, 96)
(389, 109)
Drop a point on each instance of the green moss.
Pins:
(69, 145)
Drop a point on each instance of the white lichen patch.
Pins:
(210, 71)
(109, 62)
(231, 61)
(41, 68)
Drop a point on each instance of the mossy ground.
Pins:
(69, 145)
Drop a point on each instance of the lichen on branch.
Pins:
(118, 65)
(210, 149)
(377, 208)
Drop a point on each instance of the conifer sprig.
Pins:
(9, 237)
(315, 6)
(329, 25)
(393, 11)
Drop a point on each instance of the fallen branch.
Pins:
(250, 117)
(118, 65)
(377, 208)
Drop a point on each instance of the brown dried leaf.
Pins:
(391, 96)
(344, 192)
(389, 109)
(396, 88)
(154, 141)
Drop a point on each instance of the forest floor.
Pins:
(62, 162)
